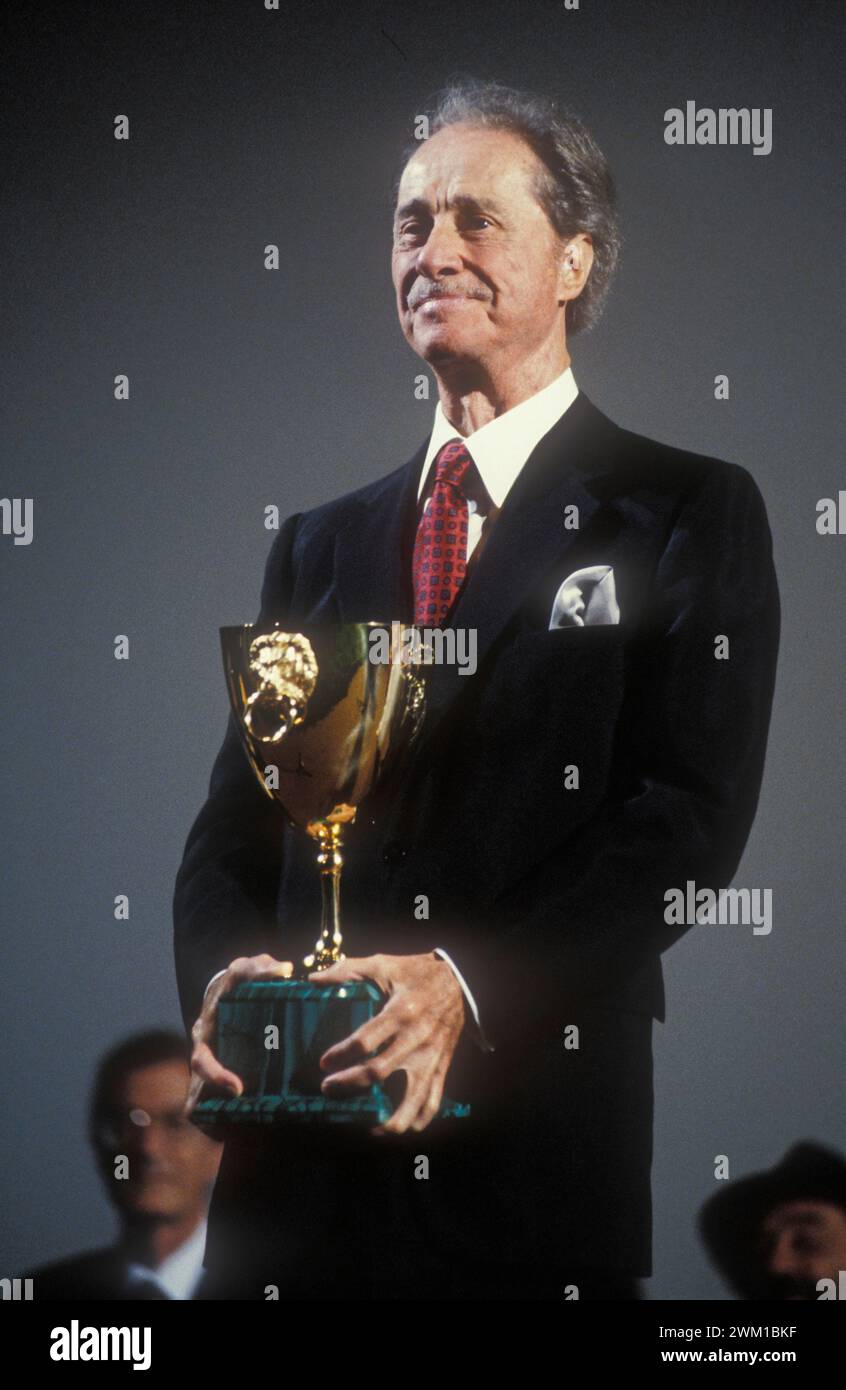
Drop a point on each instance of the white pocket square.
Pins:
(586, 597)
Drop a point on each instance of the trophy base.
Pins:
(272, 1033)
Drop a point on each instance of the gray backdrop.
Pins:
(250, 388)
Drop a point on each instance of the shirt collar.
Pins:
(178, 1275)
(501, 447)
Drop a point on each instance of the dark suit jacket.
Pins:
(99, 1275)
(550, 901)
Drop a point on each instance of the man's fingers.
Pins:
(415, 1032)
(370, 1073)
(368, 1038)
(370, 1070)
(430, 1109)
(432, 1104)
(354, 968)
(406, 1115)
(205, 1068)
(193, 1096)
(399, 1018)
(282, 969)
(262, 967)
(420, 1104)
(336, 974)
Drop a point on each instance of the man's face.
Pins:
(803, 1241)
(172, 1164)
(477, 267)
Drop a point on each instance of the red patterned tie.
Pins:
(440, 550)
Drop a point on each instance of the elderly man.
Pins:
(608, 747)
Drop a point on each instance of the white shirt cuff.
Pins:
(477, 1031)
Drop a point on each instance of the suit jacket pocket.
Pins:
(549, 641)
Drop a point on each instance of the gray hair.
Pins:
(575, 188)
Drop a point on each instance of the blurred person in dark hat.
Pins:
(777, 1234)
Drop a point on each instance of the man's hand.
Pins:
(417, 1032)
(204, 1065)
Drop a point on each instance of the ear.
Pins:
(575, 266)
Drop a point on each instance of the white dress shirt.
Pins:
(179, 1274)
(499, 450)
(501, 447)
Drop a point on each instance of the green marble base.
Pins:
(272, 1034)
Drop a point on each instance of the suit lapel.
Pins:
(373, 550)
(528, 539)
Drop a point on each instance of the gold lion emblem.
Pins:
(285, 668)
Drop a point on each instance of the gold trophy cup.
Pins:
(323, 713)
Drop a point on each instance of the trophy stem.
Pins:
(330, 859)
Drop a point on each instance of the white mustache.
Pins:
(445, 294)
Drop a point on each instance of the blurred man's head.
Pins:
(136, 1114)
(777, 1234)
(802, 1242)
